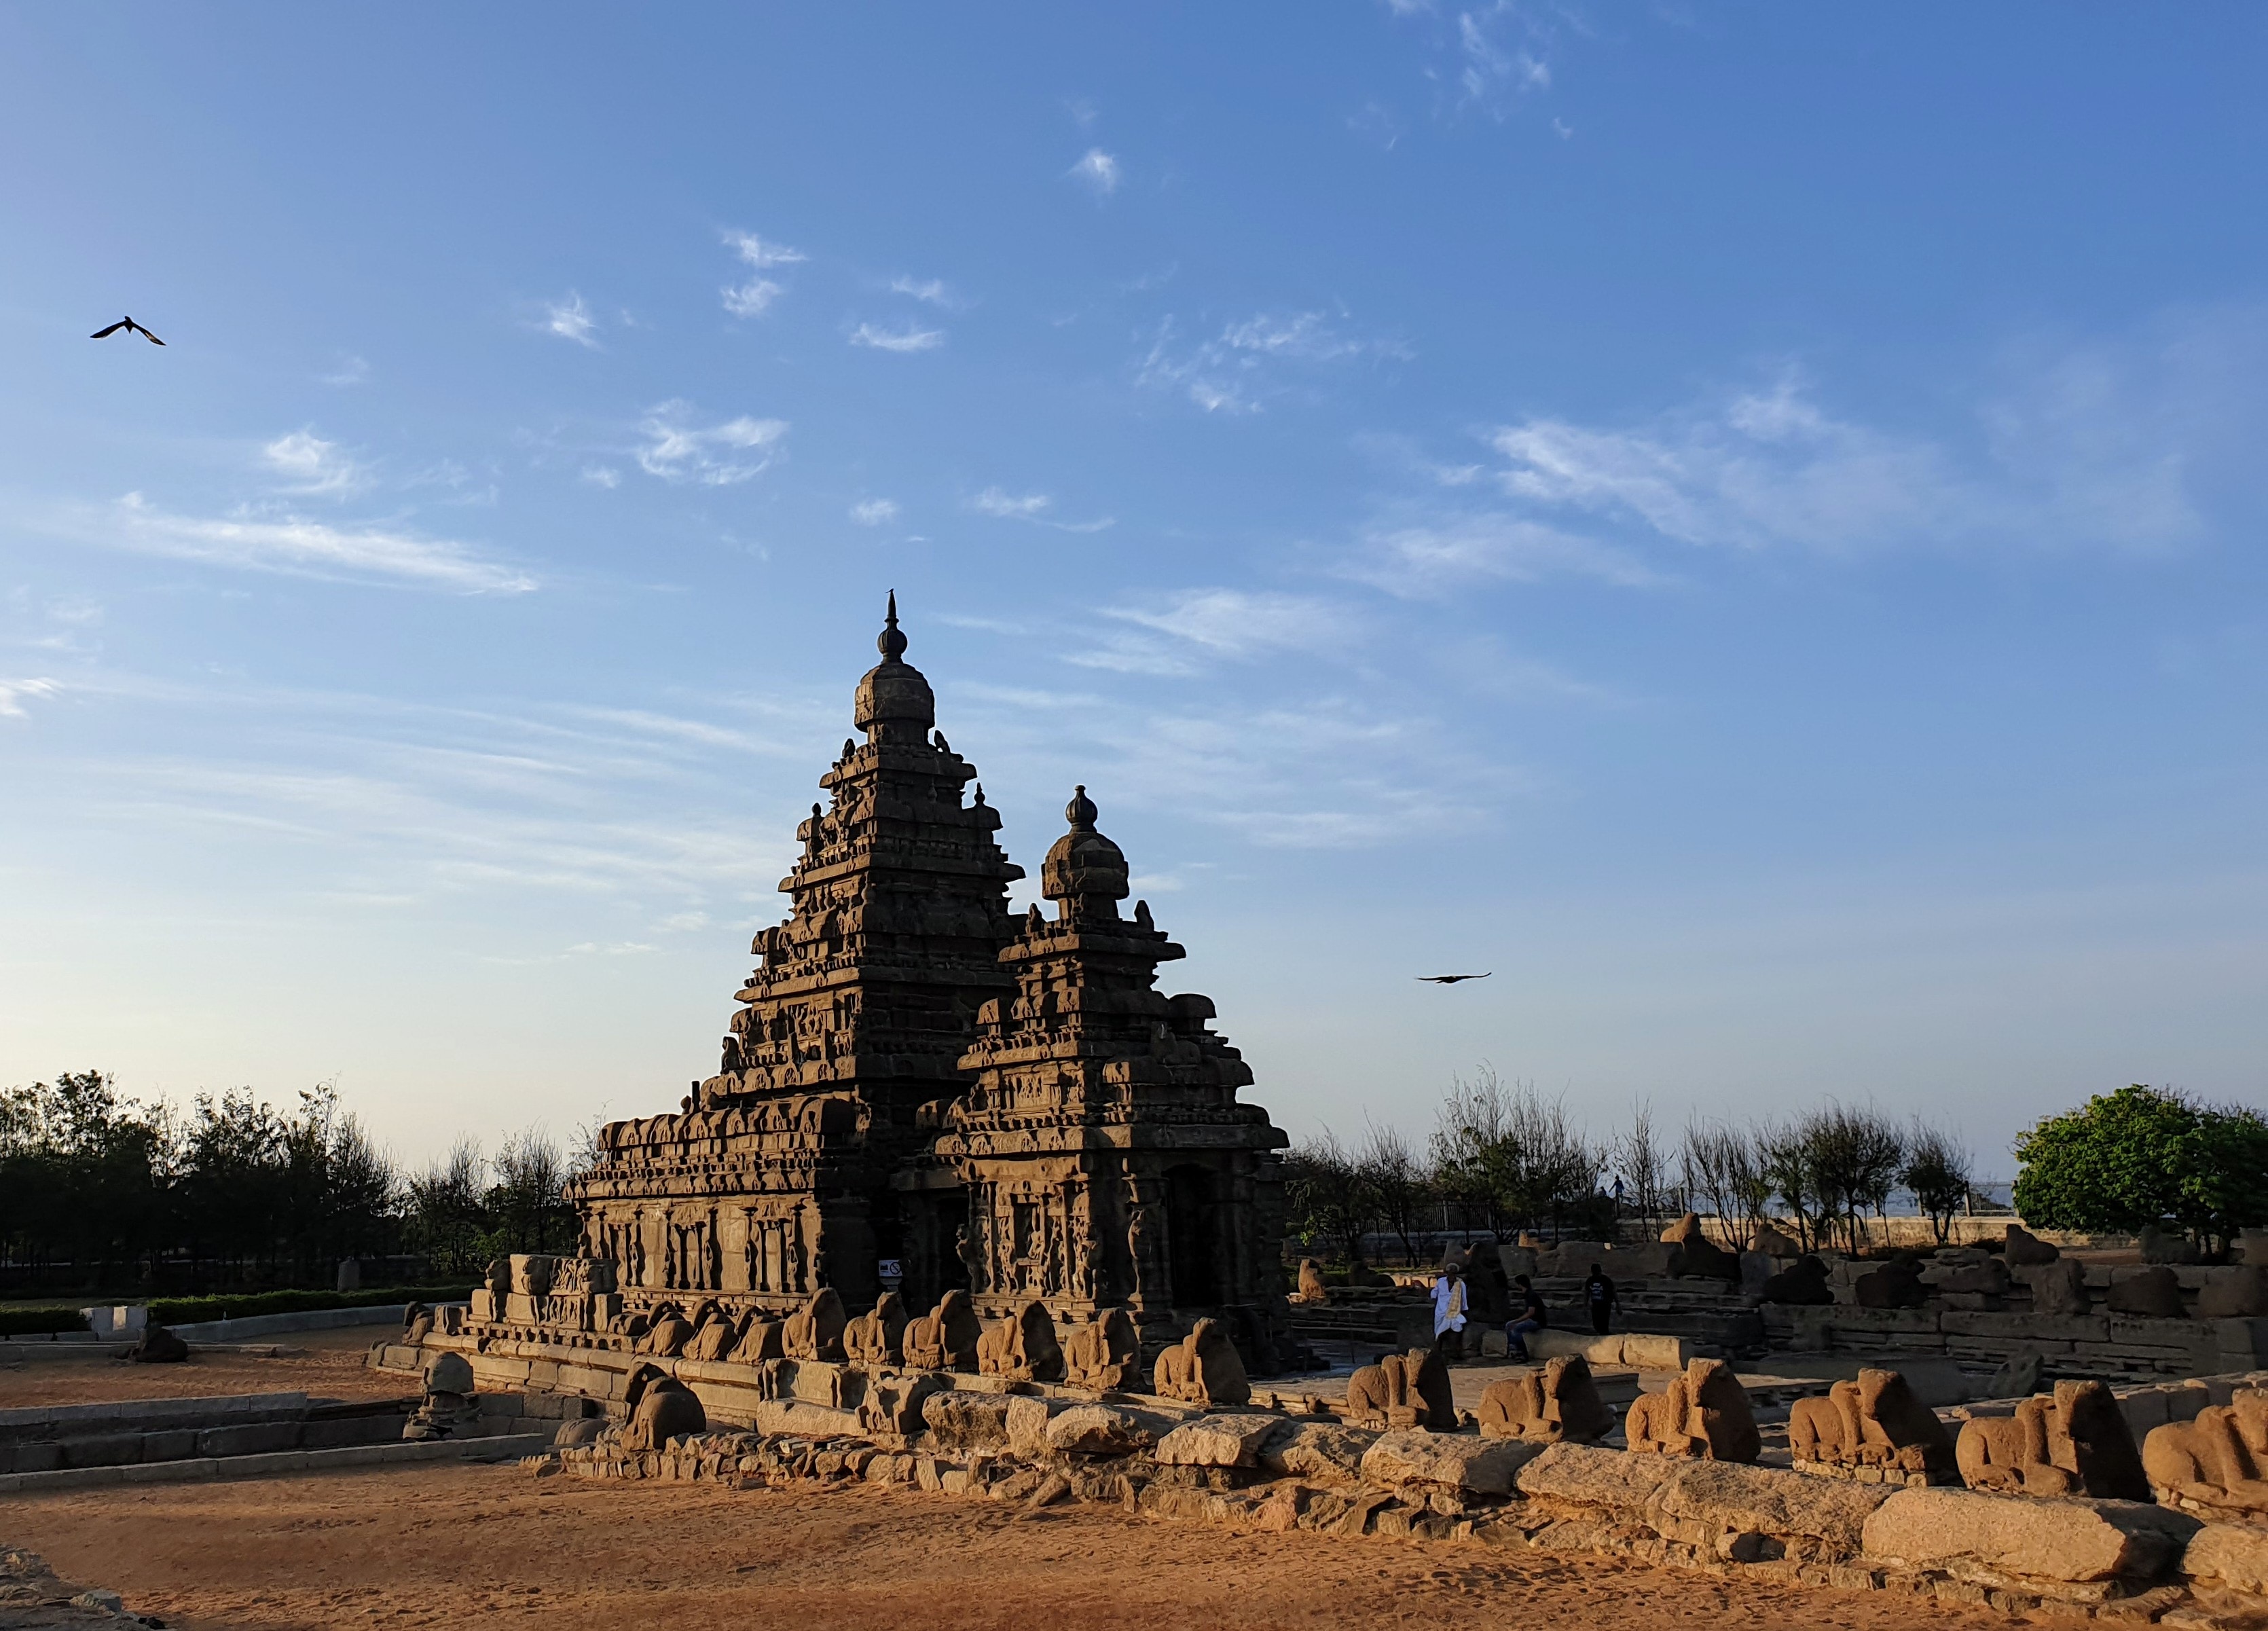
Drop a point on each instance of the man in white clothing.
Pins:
(1449, 1314)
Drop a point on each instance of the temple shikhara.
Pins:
(922, 1094)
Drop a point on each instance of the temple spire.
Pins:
(892, 641)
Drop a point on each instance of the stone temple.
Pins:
(922, 1093)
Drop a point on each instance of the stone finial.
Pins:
(891, 643)
(1084, 869)
(1080, 812)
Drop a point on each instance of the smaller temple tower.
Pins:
(1106, 1159)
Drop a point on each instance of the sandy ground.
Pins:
(455, 1545)
(327, 1365)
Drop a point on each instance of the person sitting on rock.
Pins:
(1532, 1317)
(1449, 1314)
(1599, 1297)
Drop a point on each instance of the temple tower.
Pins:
(1105, 1157)
(774, 1177)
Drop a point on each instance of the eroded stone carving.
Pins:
(2072, 1443)
(1404, 1390)
(1697, 1254)
(667, 1334)
(1022, 1346)
(2153, 1293)
(1311, 1289)
(761, 1339)
(1203, 1367)
(946, 1337)
(1560, 1402)
(877, 1338)
(661, 1407)
(1803, 1282)
(1105, 1353)
(1875, 1423)
(1705, 1413)
(2218, 1461)
(817, 1331)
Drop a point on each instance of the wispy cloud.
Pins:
(760, 254)
(873, 512)
(1428, 553)
(15, 693)
(292, 544)
(1231, 371)
(1184, 633)
(351, 371)
(1492, 66)
(931, 289)
(572, 319)
(312, 466)
(1099, 171)
(719, 455)
(602, 476)
(751, 298)
(907, 339)
(1035, 507)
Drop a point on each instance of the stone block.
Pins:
(1650, 1350)
(1096, 1430)
(2066, 1541)
(1026, 1423)
(253, 1439)
(1216, 1440)
(1494, 1344)
(2243, 1343)
(1855, 1324)
(103, 1450)
(2027, 1328)
(2228, 1557)
(1411, 1455)
(170, 1445)
(1555, 1344)
(960, 1419)
(1322, 1452)
(1726, 1497)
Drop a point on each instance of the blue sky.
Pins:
(1744, 521)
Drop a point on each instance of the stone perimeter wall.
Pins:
(1033, 1445)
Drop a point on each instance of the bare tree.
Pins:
(1720, 1164)
(1328, 1197)
(1643, 1161)
(1399, 1189)
(1937, 1172)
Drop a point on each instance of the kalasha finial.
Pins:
(892, 643)
(1080, 812)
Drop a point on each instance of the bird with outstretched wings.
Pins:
(1450, 980)
(131, 326)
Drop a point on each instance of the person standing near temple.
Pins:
(1449, 1314)
(1599, 1297)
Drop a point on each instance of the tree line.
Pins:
(99, 1192)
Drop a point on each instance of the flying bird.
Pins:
(1450, 980)
(131, 326)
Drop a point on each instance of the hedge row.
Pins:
(181, 1311)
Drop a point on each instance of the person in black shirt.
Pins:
(1531, 1317)
(1599, 1297)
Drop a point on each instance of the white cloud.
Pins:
(1099, 170)
(15, 693)
(313, 465)
(907, 339)
(294, 545)
(931, 290)
(761, 255)
(1425, 555)
(873, 512)
(602, 476)
(751, 298)
(995, 502)
(572, 319)
(1229, 373)
(1185, 632)
(719, 456)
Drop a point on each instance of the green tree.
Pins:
(2145, 1155)
(1937, 1174)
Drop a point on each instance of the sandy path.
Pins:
(452, 1545)
(328, 1364)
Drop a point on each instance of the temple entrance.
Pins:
(1192, 1238)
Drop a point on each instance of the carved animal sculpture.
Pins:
(498, 1278)
(2023, 1249)
(1873, 1421)
(1560, 1402)
(759, 1340)
(2219, 1460)
(817, 1331)
(417, 1323)
(945, 1338)
(1105, 1354)
(1802, 1282)
(1703, 1413)
(1311, 1289)
(1022, 1346)
(661, 1407)
(157, 1346)
(1404, 1390)
(1697, 1254)
(1204, 1368)
(2075, 1442)
(1896, 1284)
(714, 1338)
(877, 1338)
(667, 1335)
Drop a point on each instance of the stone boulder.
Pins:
(2076, 1541)
(1319, 1452)
(1217, 1441)
(2227, 1557)
(1896, 1284)
(2026, 1250)
(2146, 1294)
(2059, 1287)
(1459, 1461)
(1698, 1257)
(1989, 1278)
(1733, 1498)
(448, 1372)
(1097, 1430)
(2237, 1293)
(1803, 1282)
(958, 1420)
